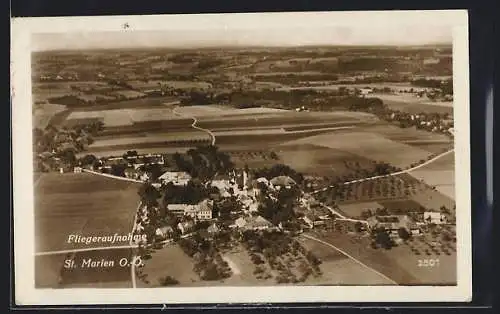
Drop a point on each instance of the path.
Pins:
(193, 125)
(111, 176)
(349, 256)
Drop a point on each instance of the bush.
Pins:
(168, 281)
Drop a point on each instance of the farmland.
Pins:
(349, 125)
(82, 204)
(339, 269)
(373, 145)
(399, 263)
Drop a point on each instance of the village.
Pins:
(176, 205)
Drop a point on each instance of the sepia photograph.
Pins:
(270, 157)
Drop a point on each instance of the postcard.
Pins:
(241, 158)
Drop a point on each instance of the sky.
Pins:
(264, 30)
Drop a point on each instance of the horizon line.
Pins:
(251, 46)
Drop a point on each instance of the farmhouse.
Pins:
(253, 223)
(366, 91)
(434, 218)
(149, 159)
(177, 178)
(393, 223)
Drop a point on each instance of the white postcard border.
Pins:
(25, 292)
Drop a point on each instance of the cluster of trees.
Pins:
(279, 250)
(192, 193)
(209, 264)
(56, 147)
(204, 162)
(381, 238)
(225, 207)
(279, 208)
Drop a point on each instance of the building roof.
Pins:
(282, 181)
(176, 206)
(170, 175)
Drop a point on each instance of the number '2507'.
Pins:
(428, 262)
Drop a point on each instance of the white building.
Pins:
(185, 226)
(434, 218)
(200, 211)
(177, 178)
(253, 223)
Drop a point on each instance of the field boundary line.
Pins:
(101, 248)
(349, 256)
(193, 125)
(112, 176)
(387, 175)
(322, 129)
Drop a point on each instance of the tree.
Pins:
(118, 170)
(403, 233)
(149, 194)
(358, 226)
(383, 239)
(88, 160)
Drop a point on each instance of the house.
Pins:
(213, 228)
(434, 217)
(282, 181)
(164, 232)
(185, 227)
(177, 209)
(253, 223)
(131, 173)
(366, 91)
(200, 211)
(177, 178)
(223, 186)
(204, 210)
(77, 169)
(393, 223)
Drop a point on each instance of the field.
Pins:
(319, 160)
(398, 263)
(118, 117)
(154, 84)
(406, 205)
(339, 269)
(411, 104)
(168, 261)
(370, 145)
(80, 204)
(354, 210)
(42, 114)
(440, 174)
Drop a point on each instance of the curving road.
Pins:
(193, 125)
